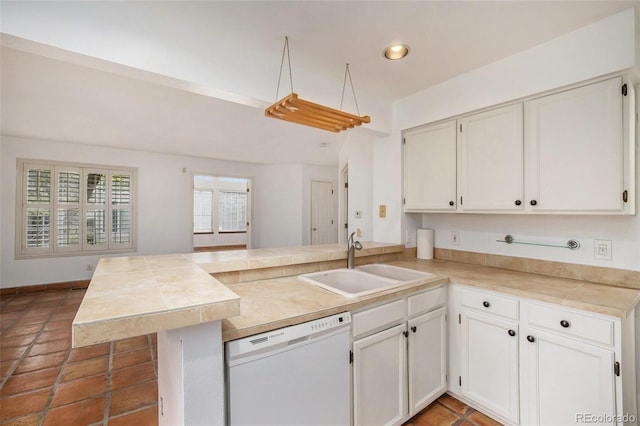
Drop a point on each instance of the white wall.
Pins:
(357, 153)
(282, 200)
(604, 47)
(387, 182)
(163, 227)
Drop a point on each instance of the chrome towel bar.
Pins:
(571, 244)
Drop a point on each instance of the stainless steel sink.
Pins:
(360, 281)
(395, 272)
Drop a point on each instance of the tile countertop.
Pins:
(279, 302)
(132, 296)
(137, 295)
(238, 260)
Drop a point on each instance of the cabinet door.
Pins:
(427, 359)
(568, 380)
(574, 150)
(490, 160)
(380, 378)
(489, 363)
(430, 168)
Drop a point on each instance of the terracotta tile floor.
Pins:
(45, 382)
(448, 411)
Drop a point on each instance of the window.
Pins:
(220, 204)
(202, 210)
(232, 211)
(73, 209)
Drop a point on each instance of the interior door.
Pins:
(323, 226)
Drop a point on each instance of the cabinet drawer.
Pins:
(489, 303)
(599, 330)
(426, 301)
(377, 318)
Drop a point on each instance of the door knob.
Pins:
(531, 338)
(511, 333)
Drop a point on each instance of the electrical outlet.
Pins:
(359, 233)
(454, 238)
(382, 210)
(602, 249)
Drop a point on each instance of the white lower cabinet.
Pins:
(427, 353)
(568, 380)
(380, 377)
(489, 369)
(533, 363)
(399, 358)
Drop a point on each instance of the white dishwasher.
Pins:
(297, 375)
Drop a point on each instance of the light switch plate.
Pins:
(602, 249)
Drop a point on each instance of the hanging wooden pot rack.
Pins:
(295, 110)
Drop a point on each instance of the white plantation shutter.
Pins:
(67, 228)
(37, 205)
(121, 202)
(71, 209)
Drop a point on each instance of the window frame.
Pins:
(54, 205)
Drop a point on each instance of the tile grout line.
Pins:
(461, 417)
(107, 394)
(30, 345)
(54, 387)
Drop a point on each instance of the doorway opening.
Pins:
(221, 218)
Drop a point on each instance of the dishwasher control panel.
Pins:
(288, 336)
(330, 322)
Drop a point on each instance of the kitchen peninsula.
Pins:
(197, 301)
(176, 296)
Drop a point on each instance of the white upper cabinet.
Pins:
(430, 168)
(490, 160)
(575, 150)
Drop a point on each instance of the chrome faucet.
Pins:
(351, 253)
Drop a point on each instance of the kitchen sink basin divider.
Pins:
(293, 109)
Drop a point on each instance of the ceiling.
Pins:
(193, 78)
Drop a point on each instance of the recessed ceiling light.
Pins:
(396, 51)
